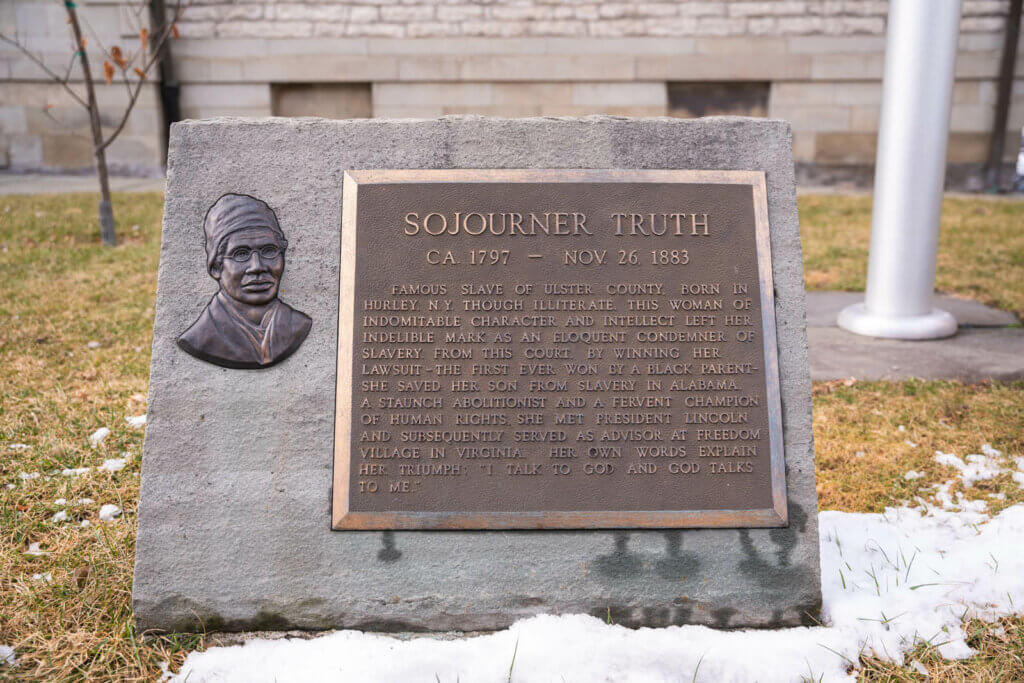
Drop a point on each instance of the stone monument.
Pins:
(525, 366)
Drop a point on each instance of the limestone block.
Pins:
(723, 67)
(319, 68)
(431, 94)
(295, 12)
(67, 151)
(720, 26)
(746, 9)
(845, 148)
(428, 68)
(264, 29)
(13, 119)
(836, 44)
(407, 13)
(814, 117)
(804, 143)
(459, 12)
(636, 94)
(620, 46)
(536, 94)
(702, 9)
(214, 97)
(972, 117)
(864, 119)
(639, 27)
(39, 18)
(862, 67)
(498, 29)
(134, 152)
(547, 67)
(557, 28)
(965, 147)
(25, 151)
(376, 29)
(745, 45)
(463, 46)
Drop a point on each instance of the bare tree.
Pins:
(131, 69)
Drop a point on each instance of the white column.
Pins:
(917, 94)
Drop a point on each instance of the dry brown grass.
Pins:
(1000, 658)
(861, 455)
(981, 247)
(61, 290)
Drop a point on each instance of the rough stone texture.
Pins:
(507, 18)
(234, 520)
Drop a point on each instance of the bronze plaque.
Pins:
(523, 349)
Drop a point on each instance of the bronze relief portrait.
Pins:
(245, 325)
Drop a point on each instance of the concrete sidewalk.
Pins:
(43, 183)
(989, 345)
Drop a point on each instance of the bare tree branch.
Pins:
(153, 57)
(71, 64)
(63, 124)
(42, 65)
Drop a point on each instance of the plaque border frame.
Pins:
(342, 518)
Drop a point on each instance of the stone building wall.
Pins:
(817, 63)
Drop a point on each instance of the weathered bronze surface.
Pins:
(557, 349)
(245, 325)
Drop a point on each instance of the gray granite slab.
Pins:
(234, 519)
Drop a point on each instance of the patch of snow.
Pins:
(974, 511)
(997, 496)
(910, 443)
(33, 549)
(109, 512)
(18, 446)
(889, 581)
(96, 438)
(84, 501)
(902, 428)
(93, 345)
(10, 486)
(987, 449)
(25, 476)
(61, 516)
(45, 576)
(860, 454)
(136, 422)
(7, 656)
(85, 523)
(910, 475)
(1019, 478)
(918, 667)
(60, 501)
(113, 464)
(74, 472)
(977, 467)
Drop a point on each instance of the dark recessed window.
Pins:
(326, 100)
(727, 98)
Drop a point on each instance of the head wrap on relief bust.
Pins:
(234, 212)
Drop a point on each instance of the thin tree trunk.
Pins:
(106, 210)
